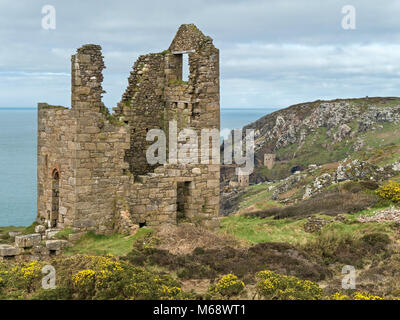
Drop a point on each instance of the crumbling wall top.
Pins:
(187, 38)
(86, 77)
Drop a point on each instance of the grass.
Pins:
(358, 229)
(256, 230)
(4, 237)
(258, 196)
(30, 229)
(115, 244)
(6, 230)
(383, 137)
(63, 234)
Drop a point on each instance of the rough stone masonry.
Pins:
(92, 169)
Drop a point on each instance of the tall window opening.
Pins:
(185, 67)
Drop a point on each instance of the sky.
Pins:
(272, 53)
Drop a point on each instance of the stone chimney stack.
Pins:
(86, 78)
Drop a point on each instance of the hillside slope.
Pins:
(322, 132)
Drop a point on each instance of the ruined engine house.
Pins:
(92, 168)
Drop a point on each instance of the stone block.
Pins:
(27, 241)
(55, 245)
(76, 236)
(196, 171)
(50, 233)
(40, 229)
(9, 251)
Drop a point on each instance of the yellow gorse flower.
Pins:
(390, 191)
(84, 278)
(365, 296)
(229, 285)
(272, 285)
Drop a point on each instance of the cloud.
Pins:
(273, 53)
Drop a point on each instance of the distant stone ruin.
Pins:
(269, 160)
(92, 169)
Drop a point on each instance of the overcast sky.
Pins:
(273, 53)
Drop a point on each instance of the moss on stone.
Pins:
(177, 82)
(110, 117)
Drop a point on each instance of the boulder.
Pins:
(27, 241)
(314, 224)
(40, 229)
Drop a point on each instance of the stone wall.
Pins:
(105, 183)
(56, 153)
(269, 160)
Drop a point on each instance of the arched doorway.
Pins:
(55, 198)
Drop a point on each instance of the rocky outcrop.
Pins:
(315, 224)
(286, 185)
(352, 170)
(387, 215)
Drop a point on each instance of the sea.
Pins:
(18, 141)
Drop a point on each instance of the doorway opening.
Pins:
(55, 199)
(142, 224)
(182, 200)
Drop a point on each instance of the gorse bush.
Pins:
(275, 286)
(88, 277)
(389, 191)
(365, 296)
(339, 296)
(359, 295)
(228, 286)
(108, 278)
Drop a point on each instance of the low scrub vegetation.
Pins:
(88, 277)
(348, 198)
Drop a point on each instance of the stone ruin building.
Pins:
(269, 160)
(92, 168)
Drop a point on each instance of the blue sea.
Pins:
(18, 142)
